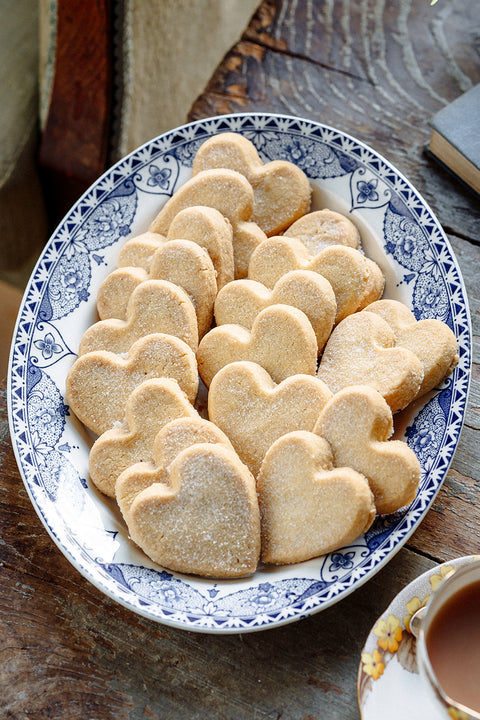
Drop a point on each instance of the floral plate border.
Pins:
(59, 304)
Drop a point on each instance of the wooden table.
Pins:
(377, 71)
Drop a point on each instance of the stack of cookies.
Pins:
(238, 288)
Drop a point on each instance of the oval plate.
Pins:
(399, 232)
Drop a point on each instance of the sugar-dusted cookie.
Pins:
(231, 194)
(205, 521)
(99, 383)
(139, 250)
(149, 407)
(171, 439)
(321, 228)
(180, 262)
(204, 226)
(282, 341)
(362, 350)
(431, 340)
(155, 306)
(282, 191)
(207, 227)
(239, 302)
(357, 423)
(356, 280)
(276, 257)
(183, 432)
(308, 507)
(375, 284)
(254, 412)
(115, 291)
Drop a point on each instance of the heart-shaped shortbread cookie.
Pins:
(149, 407)
(282, 191)
(321, 228)
(182, 433)
(155, 306)
(99, 383)
(431, 340)
(356, 280)
(204, 226)
(254, 412)
(207, 227)
(205, 520)
(239, 302)
(115, 291)
(282, 341)
(138, 251)
(171, 439)
(308, 507)
(362, 350)
(357, 423)
(231, 194)
(180, 262)
(342, 267)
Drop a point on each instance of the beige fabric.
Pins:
(168, 52)
(171, 49)
(22, 215)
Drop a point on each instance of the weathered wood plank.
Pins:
(70, 658)
(71, 652)
(375, 70)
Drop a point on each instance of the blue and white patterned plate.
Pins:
(399, 232)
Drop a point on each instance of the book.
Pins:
(455, 138)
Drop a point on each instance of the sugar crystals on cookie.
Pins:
(281, 189)
(240, 302)
(362, 350)
(357, 423)
(149, 407)
(305, 367)
(231, 194)
(204, 519)
(254, 411)
(309, 507)
(282, 341)
(99, 383)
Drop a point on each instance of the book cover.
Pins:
(455, 138)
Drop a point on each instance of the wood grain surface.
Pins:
(377, 70)
(70, 652)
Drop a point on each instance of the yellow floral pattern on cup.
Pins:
(389, 633)
(436, 579)
(373, 664)
(456, 714)
(412, 606)
(415, 603)
(392, 638)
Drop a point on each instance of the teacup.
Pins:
(448, 643)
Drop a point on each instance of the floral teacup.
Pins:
(440, 627)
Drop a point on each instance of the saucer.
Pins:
(388, 681)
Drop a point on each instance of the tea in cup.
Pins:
(448, 643)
